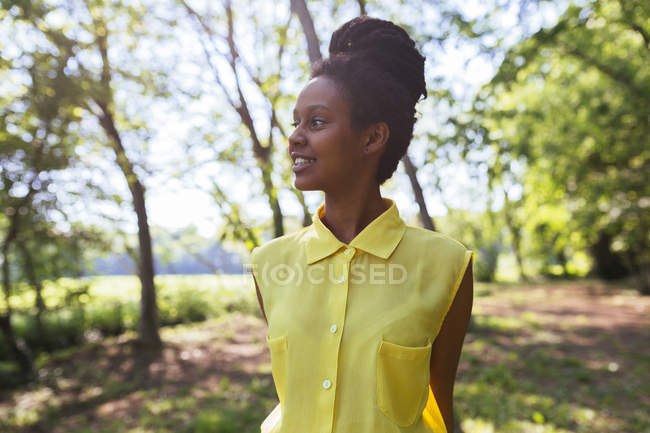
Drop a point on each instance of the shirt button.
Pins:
(340, 279)
(327, 384)
(348, 251)
(333, 329)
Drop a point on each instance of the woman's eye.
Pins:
(296, 123)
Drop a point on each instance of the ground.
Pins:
(552, 357)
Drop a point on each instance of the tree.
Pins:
(266, 83)
(91, 90)
(571, 103)
(34, 121)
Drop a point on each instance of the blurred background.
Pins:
(143, 155)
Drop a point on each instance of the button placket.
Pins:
(337, 309)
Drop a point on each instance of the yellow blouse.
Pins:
(351, 325)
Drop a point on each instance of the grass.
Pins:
(560, 357)
(542, 358)
(93, 308)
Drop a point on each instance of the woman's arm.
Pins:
(259, 299)
(445, 351)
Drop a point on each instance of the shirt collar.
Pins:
(379, 238)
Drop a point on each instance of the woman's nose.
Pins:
(296, 138)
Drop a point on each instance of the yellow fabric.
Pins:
(351, 326)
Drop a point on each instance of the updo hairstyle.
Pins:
(380, 74)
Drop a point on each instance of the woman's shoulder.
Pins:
(276, 246)
(432, 239)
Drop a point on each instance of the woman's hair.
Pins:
(380, 74)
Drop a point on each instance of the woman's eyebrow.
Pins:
(313, 107)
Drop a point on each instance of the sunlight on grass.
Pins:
(477, 425)
(522, 370)
(498, 323)
(509, 410)
(126, 288)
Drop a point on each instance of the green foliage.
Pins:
(481, 233)
(226, 422)
(107, 319)
(566, 118)
(110, 306)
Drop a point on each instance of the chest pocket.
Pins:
(402, 381)
(278, 350)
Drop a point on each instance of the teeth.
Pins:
(302, 161)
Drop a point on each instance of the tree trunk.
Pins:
(515, 231)
(410, 169)
(20, 354)
(306, 215)
(272, 195)
(362, 7)
(643, 277)
(148, 325)
(299, 7)
(36, 285)
(607, 264)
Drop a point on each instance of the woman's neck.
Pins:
(347, 215)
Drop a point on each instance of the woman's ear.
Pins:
(377, 137)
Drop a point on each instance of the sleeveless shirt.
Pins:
(350, 326)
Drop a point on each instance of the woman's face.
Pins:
(327, 153)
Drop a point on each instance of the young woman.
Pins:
(366, 315)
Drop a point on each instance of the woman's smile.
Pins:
(301, 162)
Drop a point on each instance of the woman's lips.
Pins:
(302, 164)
